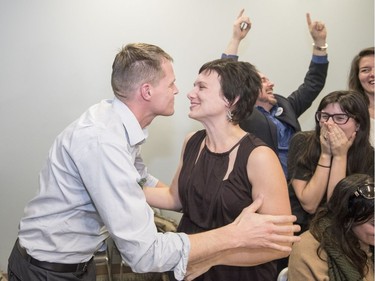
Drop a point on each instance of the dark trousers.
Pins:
(19, 269)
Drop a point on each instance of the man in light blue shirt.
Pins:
(91, 188)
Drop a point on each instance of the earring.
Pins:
(229, 116)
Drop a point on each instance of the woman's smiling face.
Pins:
(366, 74)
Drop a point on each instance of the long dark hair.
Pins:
(353, 81)
(360, 154)
(345, 209)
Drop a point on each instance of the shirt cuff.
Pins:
(320, 59)
(225, 56)
(151, 180)
(180, 269)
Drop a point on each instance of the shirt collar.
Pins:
(134, 131)
(271, 112)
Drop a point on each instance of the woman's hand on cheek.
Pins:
(340, 143)
(324, 140)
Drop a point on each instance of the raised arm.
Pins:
(238, 34)
(315, 78)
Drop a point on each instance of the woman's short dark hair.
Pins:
(240, 84)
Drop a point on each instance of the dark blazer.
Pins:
(293, 106)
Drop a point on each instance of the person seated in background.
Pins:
(222, 170)
(338, 147)
(361, 79)
(339, 246)
(275, 119)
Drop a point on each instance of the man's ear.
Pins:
(145, 91)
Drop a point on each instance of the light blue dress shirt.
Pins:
(89, 189)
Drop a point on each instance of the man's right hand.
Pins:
(318, 31)
(265, 231)
(238, 33)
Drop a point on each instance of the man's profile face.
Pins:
(266, 94)
(163, 92)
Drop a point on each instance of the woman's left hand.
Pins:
(339, 142)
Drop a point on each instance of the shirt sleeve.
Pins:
(225, 56)
(319, 59)
(313, 83)
(111, 169)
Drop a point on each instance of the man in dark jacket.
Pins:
(276, 119)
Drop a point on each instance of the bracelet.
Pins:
(324, 166)
(320, 48)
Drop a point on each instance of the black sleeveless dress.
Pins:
(210, 202)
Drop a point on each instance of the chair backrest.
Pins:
(164, 224)
(283, 275)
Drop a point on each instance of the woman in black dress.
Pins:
(223, 169)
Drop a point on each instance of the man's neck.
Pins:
(265, 105)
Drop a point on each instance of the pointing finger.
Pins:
(308, 19)
(241, 13)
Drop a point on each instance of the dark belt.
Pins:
(57, 267)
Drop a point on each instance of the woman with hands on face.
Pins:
(336, 131)
(338, 147)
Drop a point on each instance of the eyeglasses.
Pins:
(339, 118)
(366, 191)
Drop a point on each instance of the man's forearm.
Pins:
(208, 244)
(237, 257)
(232, 48)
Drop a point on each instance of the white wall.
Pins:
(56, 57)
